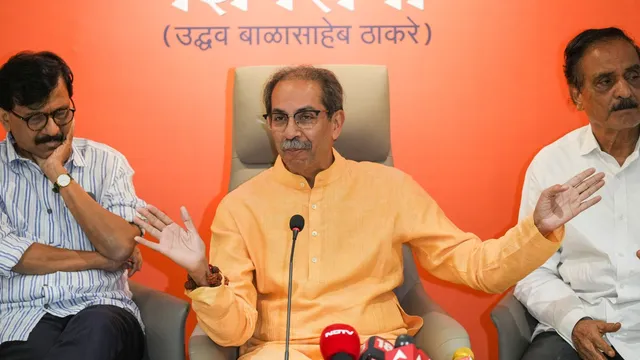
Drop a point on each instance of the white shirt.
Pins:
(30, 212)
(596, 272)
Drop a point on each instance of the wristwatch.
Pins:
(62, 181)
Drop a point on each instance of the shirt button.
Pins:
(621, 254)
(314, 206)
(46, 306)
(314, 233)
(301, 185)
(49, 211)
(314, 260)
(45, 285)
(621, 217)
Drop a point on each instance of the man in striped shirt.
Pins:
(66, 233)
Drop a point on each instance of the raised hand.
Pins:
(185, 248)
(561, 203)
(54, 164)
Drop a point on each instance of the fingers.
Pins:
(584, 194)
(152, 219)
(602, 346)
(555, 190)
(589, 352)
(159, 215)
(147, 227)
(149, 244)
(186, 218)
(589, 182)
(589, 203)
(574, 181)
(609, 327)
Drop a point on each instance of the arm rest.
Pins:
(201, 347)
(164, 317)
(441, 335)
(515, 326)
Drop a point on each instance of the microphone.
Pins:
(296, 224)
(463, 353)
(339, 342)
(374, 348)
(404, 340)
(405, 349)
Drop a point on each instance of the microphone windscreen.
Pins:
(339, 338)
(404, 340)
(296, 222)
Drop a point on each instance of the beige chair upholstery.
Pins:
(365, 137)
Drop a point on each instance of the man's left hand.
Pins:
(561, 203)
(54, 164)
(134, 263)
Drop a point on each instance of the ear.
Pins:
(337, 120)
(4, 118)
(576, 97)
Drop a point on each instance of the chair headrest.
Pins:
(365, 135)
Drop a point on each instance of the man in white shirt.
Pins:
(587, 296)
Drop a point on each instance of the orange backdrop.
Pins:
(469, 110)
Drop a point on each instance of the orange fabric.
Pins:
(348, 257)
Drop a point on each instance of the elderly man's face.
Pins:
(611, 85)
(301, 129)
(40, 138)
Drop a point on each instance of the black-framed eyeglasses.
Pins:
(305, 119)
(39, 120)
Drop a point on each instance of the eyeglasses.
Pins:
(305, 119)
(39, 120)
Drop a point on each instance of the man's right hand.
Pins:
(587, 339)
(185, 248)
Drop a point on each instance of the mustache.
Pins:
(50, 138)
(295, 144)
(625, 104)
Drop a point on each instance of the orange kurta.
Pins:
(348, 258)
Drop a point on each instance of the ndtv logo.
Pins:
(338, 332)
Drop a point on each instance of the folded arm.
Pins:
(227, 313)
(108, 226)
(27, 256)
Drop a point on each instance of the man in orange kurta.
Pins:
(348, 258)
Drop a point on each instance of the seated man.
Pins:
(66, 232)
(348, 258)
(589, 288)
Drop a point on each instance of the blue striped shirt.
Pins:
(30, 212)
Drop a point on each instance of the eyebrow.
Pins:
(304, 108)
(634, 67)
(34, 112)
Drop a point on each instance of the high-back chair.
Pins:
(515, 327)
(365, 137)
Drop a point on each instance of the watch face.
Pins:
(64, 180)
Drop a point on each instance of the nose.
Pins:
(622, 90)
(51, 128)
(292, 130)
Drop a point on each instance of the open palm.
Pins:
(185, 248)
(561, 203)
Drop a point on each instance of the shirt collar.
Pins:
(323, 178)
(12, 155)
(588, 142)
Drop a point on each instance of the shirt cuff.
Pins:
(217, 300)
(565, 328)
(13, 248)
